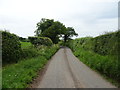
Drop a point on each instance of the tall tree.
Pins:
(50, 28)
(69, 32)
(54, 30)
(43, 25)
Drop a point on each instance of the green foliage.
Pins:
(69, 32)
(32, 39)
(106, 65)
(1, 78)
(50, 50)
(29, 52)
(61, 43)
(43, 25)
(107, 44)
(100, 53)
(21, 74)
(25, 45)
(23, 39)
(54, 30)
(50, 28)
(38, 41)
(11, 48)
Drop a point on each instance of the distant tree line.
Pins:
(23, 39)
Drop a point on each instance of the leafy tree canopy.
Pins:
(69, 32)
(54, 30)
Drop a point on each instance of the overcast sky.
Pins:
(87, 17)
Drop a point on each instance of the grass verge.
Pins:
(106, 65)
(19, 75)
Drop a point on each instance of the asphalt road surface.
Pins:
(66, 71)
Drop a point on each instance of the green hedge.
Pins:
(107, 44)
(29, 52)
(21, 74)
(11, 47)
(38, 41)
(100, 53)
(12, 51)
(23, 39)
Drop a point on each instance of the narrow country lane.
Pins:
(66, 71)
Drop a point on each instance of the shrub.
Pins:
(38, 41)
(23, 39)
(11, 47)
(29, 52)
(32, 39)
(107, 44)
(22, 73)
(100, 53)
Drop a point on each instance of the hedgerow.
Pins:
(21, 74)
(107, 44)
(100, 53)
(38, 41)
(11, 47)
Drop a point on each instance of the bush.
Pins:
(29, 52)
(100, 53)
(11, 47)
(21, 74)
(38, 41)
(104, 64)
(32, 39)
(23, 39)
(107, 44)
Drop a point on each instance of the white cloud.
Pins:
(88, 17)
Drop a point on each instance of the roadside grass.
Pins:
(20, 75)
(0, 78)
(106, 65)
(100, 53)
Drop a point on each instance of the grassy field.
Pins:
(25, 45)
(19, 75)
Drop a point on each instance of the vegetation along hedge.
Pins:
(14, 50)
(21, 74)
(100, 53)
(38, 41)
(107, 44)
(11, 47)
